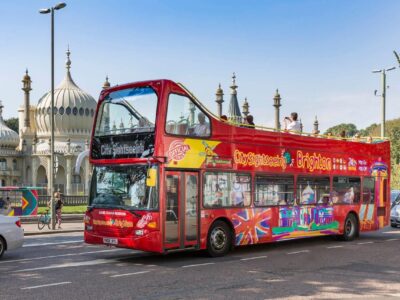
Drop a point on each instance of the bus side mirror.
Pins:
(151, 177)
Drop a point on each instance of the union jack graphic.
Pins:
(252, 226)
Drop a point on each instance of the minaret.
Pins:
(245, 107)
(219, 99)
(106, 84)
(26, 88)
(235, 115)
(277, 104)
(316, 131)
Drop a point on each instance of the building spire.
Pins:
(68, 61)
(219, 99)
(245, 107)
(106, 84)
(235, 115)
(277, 104)
(316, 124)
(26, 81)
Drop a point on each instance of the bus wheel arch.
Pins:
(351, 227)
(220, 237)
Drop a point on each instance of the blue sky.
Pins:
(319, 54)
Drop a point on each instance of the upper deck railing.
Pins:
(367, 139)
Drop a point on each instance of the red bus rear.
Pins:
(170, 175)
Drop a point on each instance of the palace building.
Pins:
(25, 156)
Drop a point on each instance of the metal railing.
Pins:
(68, 200)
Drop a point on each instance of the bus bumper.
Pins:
(150, 242)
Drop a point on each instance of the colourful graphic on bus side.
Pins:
(304, 221)
(252, 226)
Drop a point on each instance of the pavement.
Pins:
(32, 228)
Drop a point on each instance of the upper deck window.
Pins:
(127, 111)
(185, 118)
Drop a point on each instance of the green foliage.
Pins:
(12, 123)
(349, 128)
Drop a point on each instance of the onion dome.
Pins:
(8, 137)
(73, 109)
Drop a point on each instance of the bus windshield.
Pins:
(130, 110)
(123, 187)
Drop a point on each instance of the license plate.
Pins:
(110, 241)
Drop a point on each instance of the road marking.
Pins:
(129, 274)
(60, 255)
(45, 285)
(334, 247)
(364, 243)
(71, 265)
(297, 252)
(390, 240)
(53, 243)
(251, 258)
(198, 265)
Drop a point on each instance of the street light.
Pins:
(52, 175)
(383, 72)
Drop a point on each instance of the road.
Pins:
(62, 266)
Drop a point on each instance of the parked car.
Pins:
(395, 214)
(394, 195)
(11, 234)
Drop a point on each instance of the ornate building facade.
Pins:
(25, 157)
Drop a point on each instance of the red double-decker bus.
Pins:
(170, 175)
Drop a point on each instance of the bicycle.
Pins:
(44, 219)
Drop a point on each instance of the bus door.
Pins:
(181, 210)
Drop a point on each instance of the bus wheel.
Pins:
(350, 230)
(219, 239)
(2, 246)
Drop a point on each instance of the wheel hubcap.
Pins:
(218, 238)
(349, 228)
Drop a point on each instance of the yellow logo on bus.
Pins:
(190, 153)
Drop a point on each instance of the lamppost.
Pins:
(383, 72)
(52, 175)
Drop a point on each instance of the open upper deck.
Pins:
(139, 120)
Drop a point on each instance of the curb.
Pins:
(29, 233)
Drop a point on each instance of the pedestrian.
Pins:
(59, 205)
(224, 118)
(291, 123)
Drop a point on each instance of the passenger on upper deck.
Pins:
(291, 123)
(249, 121)
(203, 128)
(224, 118)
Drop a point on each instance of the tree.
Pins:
(12, 123)
(349, 128)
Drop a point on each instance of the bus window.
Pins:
(123, 187)
(185, 118)
(227, 190)
(274, 190)
(368, 190)
(126, 111)
(312, 190)
(346, 190)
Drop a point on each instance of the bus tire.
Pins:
(350, 230)
(3, 246)
(219, 239)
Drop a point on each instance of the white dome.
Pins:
(73, 109)
(8, 137)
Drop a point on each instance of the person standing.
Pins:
(58, 208)
(291, 123)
